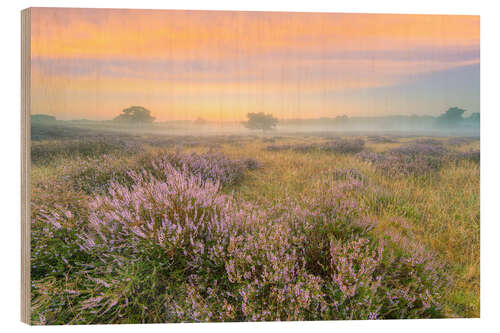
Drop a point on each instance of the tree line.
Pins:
(451, 118)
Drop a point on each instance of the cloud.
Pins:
(112, 33)
(180, 63)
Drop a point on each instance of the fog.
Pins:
(43, 128)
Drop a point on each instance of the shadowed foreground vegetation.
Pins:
(132, 229)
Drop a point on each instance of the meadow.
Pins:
(264, 227)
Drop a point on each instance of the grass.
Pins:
(438, 211)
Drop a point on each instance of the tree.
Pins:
(474, 117)
(42, 118)
(452, 117)
(200, 121)
(341, 119)
(135, 114)
(260, 121)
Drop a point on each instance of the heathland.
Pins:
(132, 228)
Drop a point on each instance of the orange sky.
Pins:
(92, 63)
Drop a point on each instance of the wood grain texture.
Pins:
(25, 164)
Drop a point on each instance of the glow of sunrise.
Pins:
(92, 63)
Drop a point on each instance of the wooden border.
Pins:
(25, 165)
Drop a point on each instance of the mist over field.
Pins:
(395, 125)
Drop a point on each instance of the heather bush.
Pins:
(345, 146)
(408, 160)
(418, 150)
(428, 141)
(458, 141)
(470, 155)
(45, 152)
(298, 147)
(408, 166)
(214, 167)
(94, 174)
(382, 139)
(154, 232)
(251, 163)
(369, 156)
(365, 277)
(176, 249)
(56, 210)
(179, 214)
(277, 147)
(347, 174)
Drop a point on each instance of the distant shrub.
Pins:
(251, 163)
(429, 141)
(471, 155)
(348, 174)
(407, 160)
(345, 146)
(46, 152)
(277, 147)
(408, 166)
(269, 140)
(419, 150)
(458, 141)
(382, 139)
(370, 156)
(299, 147)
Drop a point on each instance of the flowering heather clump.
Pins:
(369, 156)
(94, 175)
(46, 152)
(181, 214)
(408, 166)
(251, 163)
(471, 155)
(356, 278)
(299, 147)
(56, 212)
(154, 230)
(419, 149)
(347, 174)
(213, 167)
(407, 160)
(428, 141)
(277, 147)
(360, 277)
(382, 139)
(423, 276)
(458, 141)
(344, 146)
(415, 159)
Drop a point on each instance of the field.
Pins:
(305, 226)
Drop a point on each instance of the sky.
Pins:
(221, 65)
